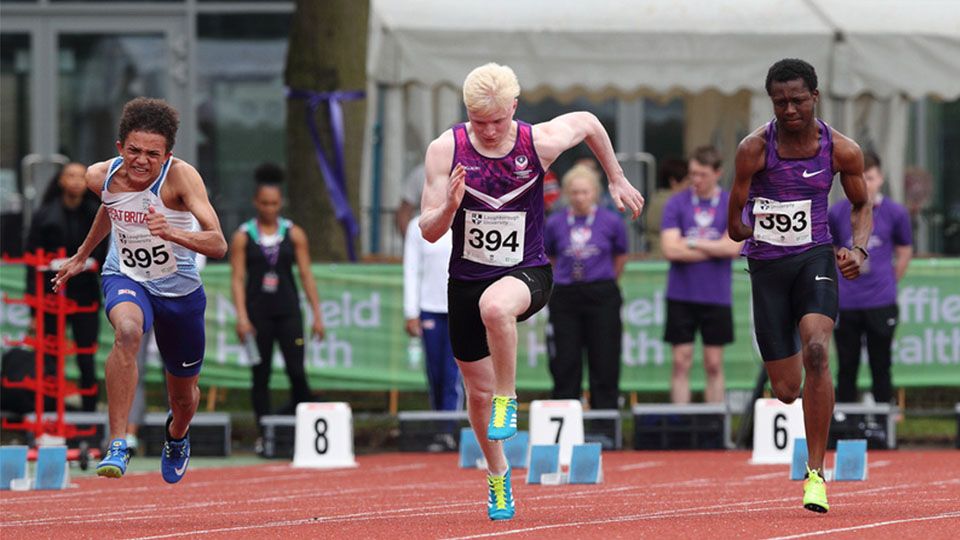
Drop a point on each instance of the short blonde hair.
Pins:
(582, 171)
(490, 87)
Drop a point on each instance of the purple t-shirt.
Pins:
(504, 202)
(877, 284)
(704, 282)
(788, 182)
(583, 248)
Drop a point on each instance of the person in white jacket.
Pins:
(425, 311)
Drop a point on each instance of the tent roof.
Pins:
(662, 46)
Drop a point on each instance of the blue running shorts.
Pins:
(177, 321)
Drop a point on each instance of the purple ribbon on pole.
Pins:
(333, 173)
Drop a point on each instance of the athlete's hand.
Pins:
(849, 262)
(741, 232)
(457, 186)
(318, 330)
(244, 329)
(157, 223)
(412, 326)
(73, 266)
(625, 195)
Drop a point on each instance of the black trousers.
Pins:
(288, 332)
(586, 317)
(86, 330)
(876, 326)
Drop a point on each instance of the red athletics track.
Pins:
(663, 495)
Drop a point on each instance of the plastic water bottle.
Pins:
(414, 353)
(253, 353)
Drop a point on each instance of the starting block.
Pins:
(798, 468)
(544, 460)
(515, 448)
(586, 464)
(52, 468)
(470, 452)
(53, 471)
(851, 460)
(13, 464)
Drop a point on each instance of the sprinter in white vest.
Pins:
(153, 203)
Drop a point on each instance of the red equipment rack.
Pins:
(54, 344)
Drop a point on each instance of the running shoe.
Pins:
(503, 419)
(175, 457)
(114, 463)
(500, 498)
(815, 492)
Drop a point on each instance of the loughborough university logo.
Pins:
(521, 162)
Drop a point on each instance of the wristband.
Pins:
(863, 250)
(691, 242)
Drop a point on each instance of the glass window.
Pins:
(15, 73)
(241, 109)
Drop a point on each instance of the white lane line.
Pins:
(868, 526)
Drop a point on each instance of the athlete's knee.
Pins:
(185, 400)
(815, 357)
(128, 334)
(493, 313)
(786, 391)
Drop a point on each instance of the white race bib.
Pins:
(144, 257)
(494, 238)
(782, 223)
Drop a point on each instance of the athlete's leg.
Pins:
(680, 377)
(817, 385)
(120, 371)
(184, 399)
(500, 305)
(713, 365)
(479, 380)
(786, 377)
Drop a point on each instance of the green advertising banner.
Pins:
(366, 347)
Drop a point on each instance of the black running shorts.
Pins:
(786, 289)
(468, 337)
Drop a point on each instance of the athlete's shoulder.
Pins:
(96, 174)
(754, 142)
(846, 152)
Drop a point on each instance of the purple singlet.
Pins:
(787, 205)
(499, 225)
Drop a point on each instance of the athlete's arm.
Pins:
(848, 159)
(619, 262)
(442, 190)
(554, 137)
(99, 229)
(749, 160)
(189, 190)
(675, 249)
(901, 259)
(238, 279)
(301, 250)
(721, 248)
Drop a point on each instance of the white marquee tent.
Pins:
(892, 51)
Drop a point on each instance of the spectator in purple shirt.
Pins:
(693, 235)
(868, 304)
(587, 245)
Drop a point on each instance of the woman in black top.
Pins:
(262, 254)
(66, 213)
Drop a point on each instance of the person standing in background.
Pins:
(693, 235)
(868, 304)
(425, 313)
(262, 254)
(671, 179)
(587, 246)
(67, 211)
